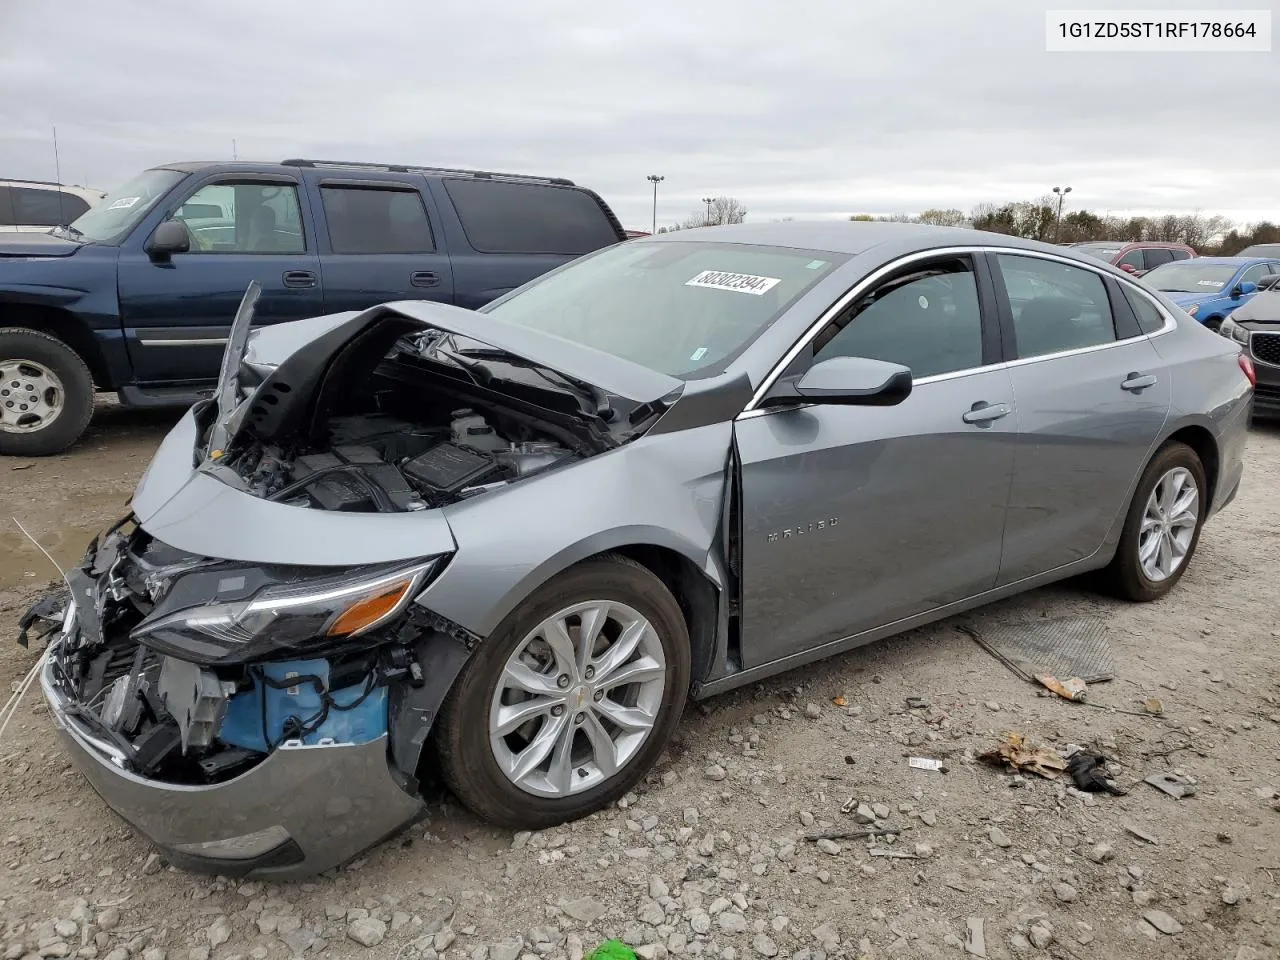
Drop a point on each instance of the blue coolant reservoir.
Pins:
(264, 711)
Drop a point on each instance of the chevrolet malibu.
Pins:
(514, 543)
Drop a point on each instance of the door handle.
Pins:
(983, 413)
(424, 278)
(1138, 381)
(299, 278)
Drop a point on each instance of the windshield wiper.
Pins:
(599, 400)
(72, 233)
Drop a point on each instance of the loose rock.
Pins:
(1065, 892)
(829, 847)
(715, 772)
(367, 931)
(1162, 922)
(998, 837)
(764, 946)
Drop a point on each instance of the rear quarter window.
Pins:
(1150, 319)
(45, 208)
(503, 217)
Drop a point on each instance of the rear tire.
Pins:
(491, 722)
(46, 394)
(1162, 529)
(1214, 324)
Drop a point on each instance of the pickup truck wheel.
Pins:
(46, 394)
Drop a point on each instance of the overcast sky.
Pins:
(812, 108)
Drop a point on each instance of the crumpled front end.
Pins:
(247, 720)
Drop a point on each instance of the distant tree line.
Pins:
(1037, 220)
(721, 210)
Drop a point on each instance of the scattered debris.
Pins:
(1175, 786)
(975, 940)
(926, 763)
(1062, 647)
(840, 701)
(917, 703)
(1073, 689)
(1089, 771)
(1019, 755)
(1141, 834)
(1153, 706)
(895, 854)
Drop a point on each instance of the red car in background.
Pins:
(1135, 258)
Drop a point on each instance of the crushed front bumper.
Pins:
(302, 810)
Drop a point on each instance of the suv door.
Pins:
(177, 312)
(509, 232)
(382, 244)
(1091, 403)
(854, 517)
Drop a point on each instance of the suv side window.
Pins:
(1069, 309)
(1133, 258)
(1181, 254)
(928, 321)
(1157, 256)
(504, 217)
(376, 220)
(246, 218)
(6, 207)
(44, 208)
(1150, 319)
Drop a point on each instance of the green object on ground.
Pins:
(612, 950)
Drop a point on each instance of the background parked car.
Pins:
(37, 205)
(1136, 258)
(138, 293)
(1261, 250)
(1256, 326)
(1210, 288)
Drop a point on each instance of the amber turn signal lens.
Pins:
(367, 612)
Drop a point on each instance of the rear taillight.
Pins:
(1246, 366)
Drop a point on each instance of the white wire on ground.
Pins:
(15, 700)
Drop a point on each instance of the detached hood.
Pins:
(270, 386)
(36, 245)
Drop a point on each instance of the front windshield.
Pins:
(681, 308)
(110, 219)
(1190, 277)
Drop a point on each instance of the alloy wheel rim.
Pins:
(577, 699)
(1168, 524)
(31, 396)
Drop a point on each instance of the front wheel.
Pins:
(46, 394)
(1214, 324)
(1162, 528)
(570, 701)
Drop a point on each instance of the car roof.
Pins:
(1231, 261)
(852, 237)
(196, 166)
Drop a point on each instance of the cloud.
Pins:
(821, 108)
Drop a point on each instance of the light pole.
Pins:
(655, 180)
(1057, 224)
(708, 201)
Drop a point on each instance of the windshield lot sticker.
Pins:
(1209, 283)
(699, 353)
(124, 203)
(737, 282)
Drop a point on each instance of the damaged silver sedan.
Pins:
(514, 542)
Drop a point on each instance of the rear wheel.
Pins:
(1214, 324)
(1162, 528)
(570, 701)
(46, 394)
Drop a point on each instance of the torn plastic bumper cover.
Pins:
(268, 734)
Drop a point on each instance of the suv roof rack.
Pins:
(412, 168)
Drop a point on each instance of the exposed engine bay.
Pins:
(379, 462)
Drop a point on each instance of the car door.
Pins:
(858, 516)
(380, 244)
(1092, 399)
(176, 311)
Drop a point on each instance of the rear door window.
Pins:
(1158, 255)
(500, 216)
(376, 220)
(1181, 254)
(1055, 307)
(45, 208)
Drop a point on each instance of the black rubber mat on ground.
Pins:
(1063, 648)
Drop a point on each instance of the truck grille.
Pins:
(1265, 348)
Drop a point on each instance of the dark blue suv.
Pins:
(137, 294)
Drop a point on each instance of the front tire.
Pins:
(1162, 528)
(46, 394)
(570, 701)
(1213, 323)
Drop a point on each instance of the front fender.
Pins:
(664, 491)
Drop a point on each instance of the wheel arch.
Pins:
(65, 326)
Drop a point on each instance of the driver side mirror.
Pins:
(1244, 289)
(170, 237)
(851, 381)
(1128, 268)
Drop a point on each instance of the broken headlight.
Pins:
(252, 618)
